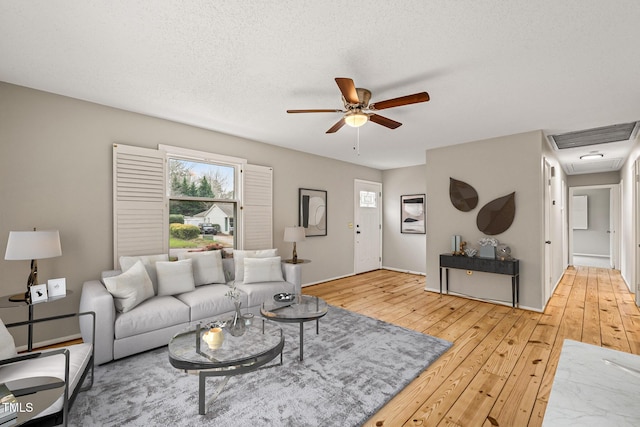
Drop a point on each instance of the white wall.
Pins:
(404, 252)
(595, 239)
(56, 173)
(494, 167)
(629, 213)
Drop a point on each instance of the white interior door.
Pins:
(614, 218)
(368, 225)
(548, 254)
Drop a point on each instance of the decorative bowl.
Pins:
(284, 297)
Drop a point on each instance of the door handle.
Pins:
(548, 242)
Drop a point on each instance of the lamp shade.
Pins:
(356, 119)
(294, 234)
(24, 245)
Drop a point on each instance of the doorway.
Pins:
(368, 225)
(593, 238)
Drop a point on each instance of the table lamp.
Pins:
(33, 245)
(295, 235)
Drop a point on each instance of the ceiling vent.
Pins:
(603, 135)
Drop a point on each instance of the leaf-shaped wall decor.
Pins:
(463, 196)
(497, 216)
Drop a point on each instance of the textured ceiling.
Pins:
(491, 67)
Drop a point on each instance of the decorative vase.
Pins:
(214, 338)
(237, 326)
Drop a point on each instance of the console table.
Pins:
(509, 267)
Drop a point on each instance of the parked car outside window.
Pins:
(207, 228)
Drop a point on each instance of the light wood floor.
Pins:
(500, 369)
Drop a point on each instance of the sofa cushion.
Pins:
(53, 366)
(7, 344)
(207, 267)
(149, 262)
(130, 288)
(239, 256)
(257, 293)
(155, 313)
(258, 270)
(209, 301)
(175, 277)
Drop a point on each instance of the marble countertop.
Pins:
(594, 386)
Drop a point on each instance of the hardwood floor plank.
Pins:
(501, 366)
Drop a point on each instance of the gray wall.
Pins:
(56, 173)
(494, 167)
(595, 239)
(603, 178)
(404, 252)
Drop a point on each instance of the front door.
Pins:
(368, 226)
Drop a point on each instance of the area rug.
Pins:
(350, 370)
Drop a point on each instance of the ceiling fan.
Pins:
(357, 109)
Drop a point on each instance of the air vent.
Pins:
(603, 135)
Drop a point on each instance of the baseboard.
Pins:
(327, 280)
(419, 273)
(593, 255)
(47, 343)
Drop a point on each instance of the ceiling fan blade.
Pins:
(391, 124)
(398, 102)
(337, 126)
(348, 89)
(316, 111)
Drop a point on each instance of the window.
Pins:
(202, 204)
(368, 199)
(207, 198)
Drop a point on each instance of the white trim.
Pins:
(47, 343)
(417, 273)
(195, 155)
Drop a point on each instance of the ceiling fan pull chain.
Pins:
(357, 146)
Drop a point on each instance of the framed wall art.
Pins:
(312, 211)
(412, 214)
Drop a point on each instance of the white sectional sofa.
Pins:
(174, 302)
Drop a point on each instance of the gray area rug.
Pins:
(350, 370)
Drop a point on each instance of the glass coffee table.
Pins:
(303, 308)
(259, 345)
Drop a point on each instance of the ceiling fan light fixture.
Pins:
(591, 156)
(356, 119)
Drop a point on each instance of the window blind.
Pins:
(257, 207)
(141, 213)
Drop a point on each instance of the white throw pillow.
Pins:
(149, 262)
(207, 267)
(175, 277)
(7, 344)
(239, 256)
(130, 288)
(258, 270)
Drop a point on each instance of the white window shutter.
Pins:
(140, 206)
(257, 207)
